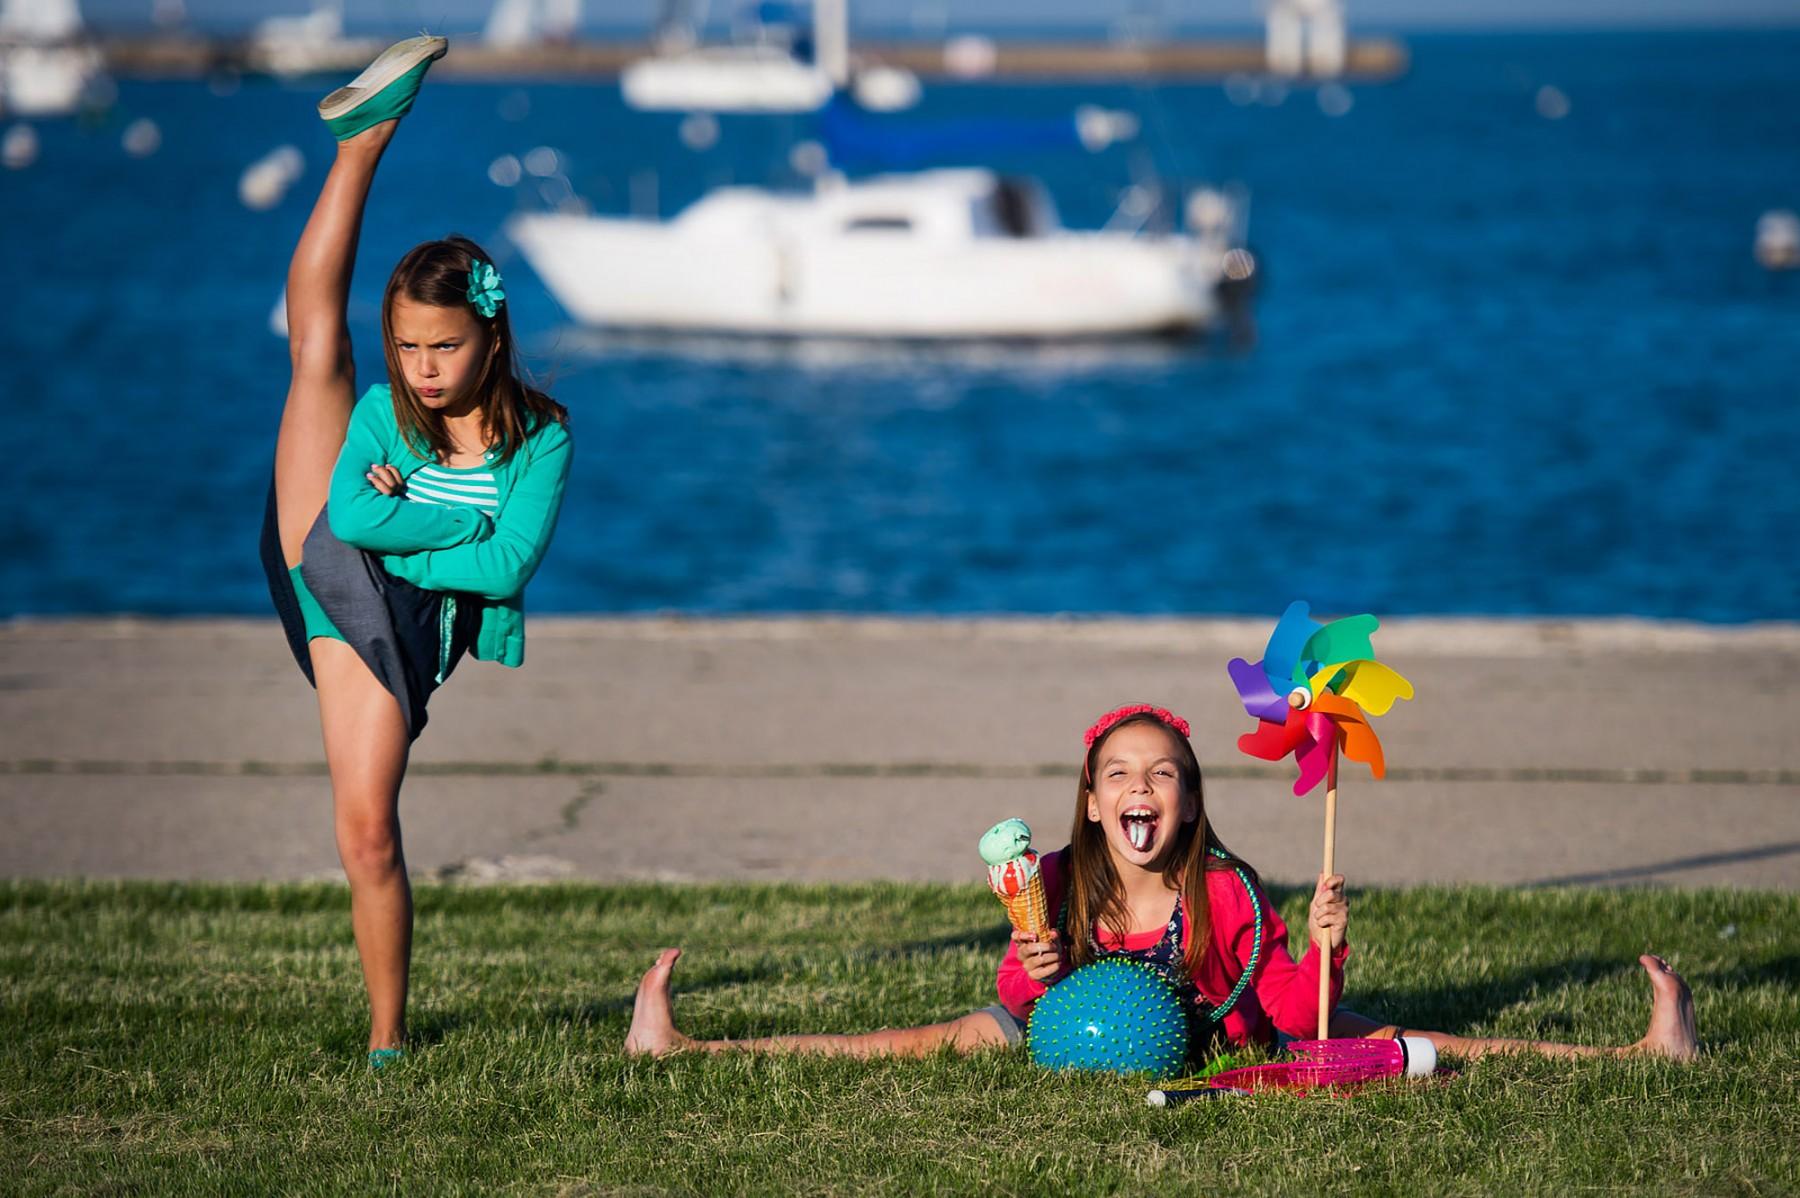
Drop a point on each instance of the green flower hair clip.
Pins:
(484, 287)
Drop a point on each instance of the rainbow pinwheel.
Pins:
(1313, 693)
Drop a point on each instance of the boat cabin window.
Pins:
(878, 224)
(1012, 208)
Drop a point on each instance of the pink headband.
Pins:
(1124, 713)
(1105, 723)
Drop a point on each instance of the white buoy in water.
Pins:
(265, 181)
(699, 131)
(886, 89)
(1208, 212)
(19, 147)
(1334, 99)
(1099, 127)
(1778, 240)
(1552, 102)
(970, 56)
(142, 138)
(505, 171)
(809, 158)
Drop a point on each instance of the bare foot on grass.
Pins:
(653, 1030)
(1671, 1031)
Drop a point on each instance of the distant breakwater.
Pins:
(1367, 60)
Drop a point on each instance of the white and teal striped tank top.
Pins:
(449, 486)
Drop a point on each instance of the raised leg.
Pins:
(366, 749)
(322, 387)
(653, 1031)
(1671, 1032)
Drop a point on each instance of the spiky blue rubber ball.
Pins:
(1113, 1015)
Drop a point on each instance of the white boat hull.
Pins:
(725, 80)
(643, 275)
(45, 81)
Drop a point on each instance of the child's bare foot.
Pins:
(653, 1013)
(1671, 1031)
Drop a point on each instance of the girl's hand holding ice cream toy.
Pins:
(1017, 880)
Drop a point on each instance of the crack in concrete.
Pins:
(568, 817)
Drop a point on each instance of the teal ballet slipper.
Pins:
(385, 90)
(381, 1058)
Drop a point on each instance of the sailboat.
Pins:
(946, 254)
(941, 254)
(310, 43)
(46, 64)
(516, 24)
(772, 66)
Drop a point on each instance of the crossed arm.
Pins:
(499, 565)
(368, 509)
(445, 548)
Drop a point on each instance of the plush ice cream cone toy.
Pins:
(1014, 876)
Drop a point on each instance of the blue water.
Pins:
(1504, 364)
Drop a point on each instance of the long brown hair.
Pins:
(1095, 896)
(437, 273)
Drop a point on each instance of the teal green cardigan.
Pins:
(453, 548)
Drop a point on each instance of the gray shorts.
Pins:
(1010, 1026)
(394, 626)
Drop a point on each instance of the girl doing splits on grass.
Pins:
(402, 527)
(1146, 878)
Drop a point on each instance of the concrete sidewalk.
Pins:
(1605, 752)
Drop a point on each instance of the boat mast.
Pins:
(831, 54)
(831, 39)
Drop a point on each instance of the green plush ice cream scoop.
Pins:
(1004, 841)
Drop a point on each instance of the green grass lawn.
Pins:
(207, 1039)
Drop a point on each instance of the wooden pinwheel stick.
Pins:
(1330, 853)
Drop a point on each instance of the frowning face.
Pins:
(1138, 797)
(441, 352)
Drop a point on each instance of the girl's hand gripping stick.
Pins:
(1312, 695)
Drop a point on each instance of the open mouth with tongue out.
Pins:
(1140, 824)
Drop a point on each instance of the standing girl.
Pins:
(1145, 877)
(401, 528)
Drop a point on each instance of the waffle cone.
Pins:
(1029, 910)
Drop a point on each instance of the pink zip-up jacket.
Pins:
(1282, 995)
